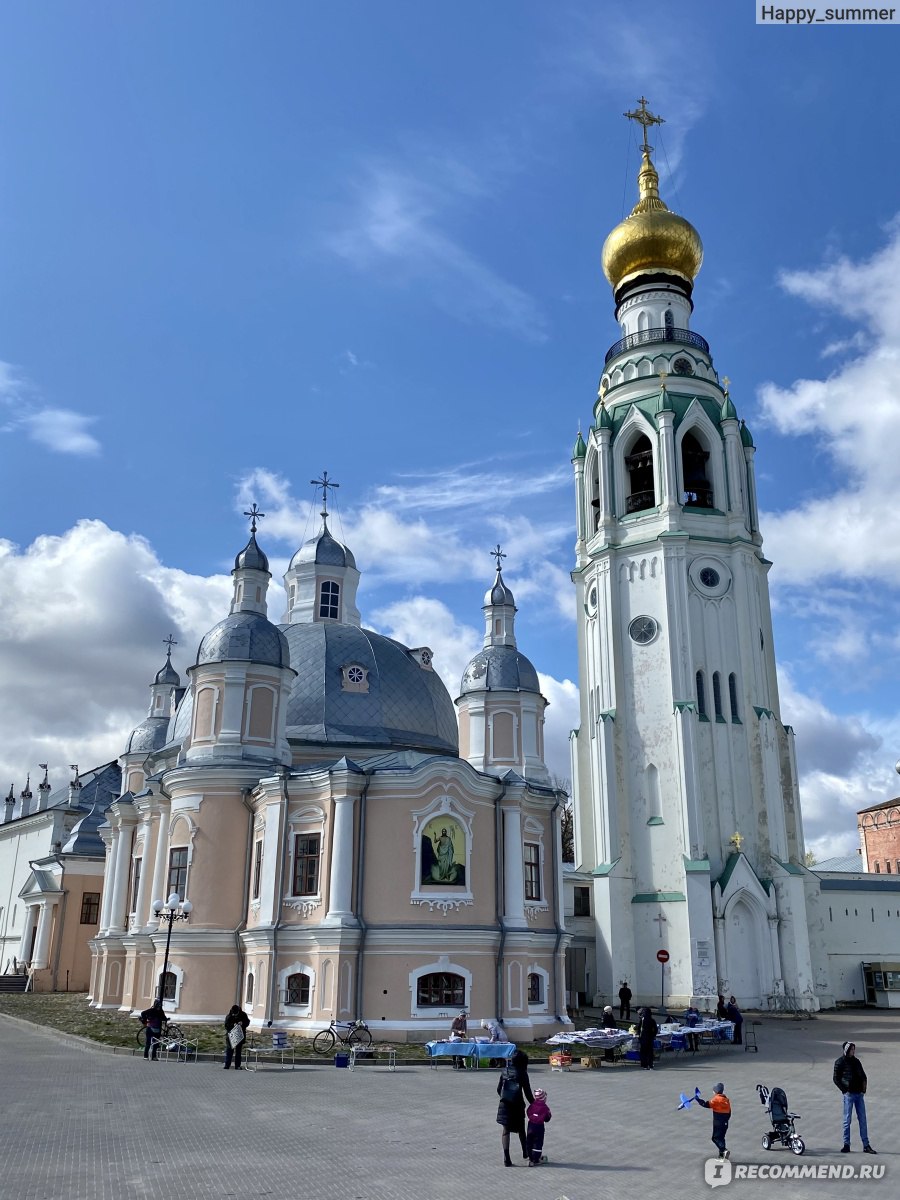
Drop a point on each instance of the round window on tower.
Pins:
(592, 599)
(709, 577)
(643, 630)
(682, 366)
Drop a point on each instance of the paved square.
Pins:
(80, 1124)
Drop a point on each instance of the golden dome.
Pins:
(651, 238)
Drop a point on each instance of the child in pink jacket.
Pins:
(538, 1115)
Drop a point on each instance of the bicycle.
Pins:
(356, 1034)
(171, 1033)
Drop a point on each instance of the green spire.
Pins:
(729, 412)
(604, 420)
(580, 448)
(746, 437)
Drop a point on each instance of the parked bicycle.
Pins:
(171, 1034)
(348, 1033)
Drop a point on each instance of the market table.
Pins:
(472, 1050)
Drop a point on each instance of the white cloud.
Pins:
(397, 230)
(82, 618)
(58, 429)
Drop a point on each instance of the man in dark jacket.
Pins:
(624, 1001)
(234, 1044)
(153, 1019)
(850, 1078)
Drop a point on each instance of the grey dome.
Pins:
(245, 637)
(168, 674)
(499, 593)
(149, 735)
(84, 838)
(499, 669)
(251, 558)
(324, 550)
(405, 706)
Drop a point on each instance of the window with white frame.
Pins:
(535, 988)
(307, 848)
(297, 989)
(441, 989)
(532, 871)
(329, 600)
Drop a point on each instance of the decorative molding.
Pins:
(305, 907)
(533, 911)
(444, 905)
(684, 706)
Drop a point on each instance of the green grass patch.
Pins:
(70, 1013)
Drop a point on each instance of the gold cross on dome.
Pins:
(726, 383)
(736, 841)
(644, 118)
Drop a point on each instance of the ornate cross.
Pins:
(645, 118)
(255, 516)
(737, 841)
(498, 554)
(726, 383)
(660, 921)
(169, 642)
(324, 483)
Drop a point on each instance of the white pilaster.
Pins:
(513, 869)
(340, 892)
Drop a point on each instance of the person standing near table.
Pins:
(234, 1045)
(624, 1001)
(733, 1013)
(514, 1088)
(691, 1018)
(459, 1030)
(647, 1031)
(850, 1078)
(153, 1019)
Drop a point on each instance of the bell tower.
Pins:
(686, 802)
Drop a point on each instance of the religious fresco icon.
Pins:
(443, 853)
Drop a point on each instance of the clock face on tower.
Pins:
(642, 630)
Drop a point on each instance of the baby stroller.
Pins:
(782, 1132)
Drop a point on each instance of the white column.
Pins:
(31, 915)
(150, 821)
(158, 891)
(513, 869)
(109, 877)
(340, 891)
(668, 474)
(120, 883)
(42, 944)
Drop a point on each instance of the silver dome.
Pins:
(405, 706)
(84, 838)
(324, 550)
(149, 735)
(245, 637)
(251, 558)
(168, 674)
(499, 669)
(499, 593)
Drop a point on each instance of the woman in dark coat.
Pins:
(236, 1016)
(514, 1088)
(647, 1030)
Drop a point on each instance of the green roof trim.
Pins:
(604, 868)
(684, 706)
(763, 712)
(791, 868)
(696, 865)
(730, 863)
(655, 821)
(659, 898)
(729, 412)
(608, 714)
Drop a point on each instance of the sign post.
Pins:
(662, 957)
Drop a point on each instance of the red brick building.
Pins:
(879, 835)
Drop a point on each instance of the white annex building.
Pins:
(688, 833)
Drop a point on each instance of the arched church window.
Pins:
(717, 696)
(169, 986)
(249, 999)
(701, 694)
(697, 488)
(639, 465)
(296, 989)
(441, 990)
(669, 320)
(329, 597)
(535, 988)
(732, 697)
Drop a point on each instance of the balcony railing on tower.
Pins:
(647, 337)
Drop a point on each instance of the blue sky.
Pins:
(242, 243)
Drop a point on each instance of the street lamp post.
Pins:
(171, 910)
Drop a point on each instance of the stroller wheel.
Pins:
(797, 1145)
(766, 1142)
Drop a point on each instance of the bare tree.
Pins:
(567, 819)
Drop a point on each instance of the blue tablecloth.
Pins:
(470, 1049)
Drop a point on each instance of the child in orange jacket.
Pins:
(721, 1110)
